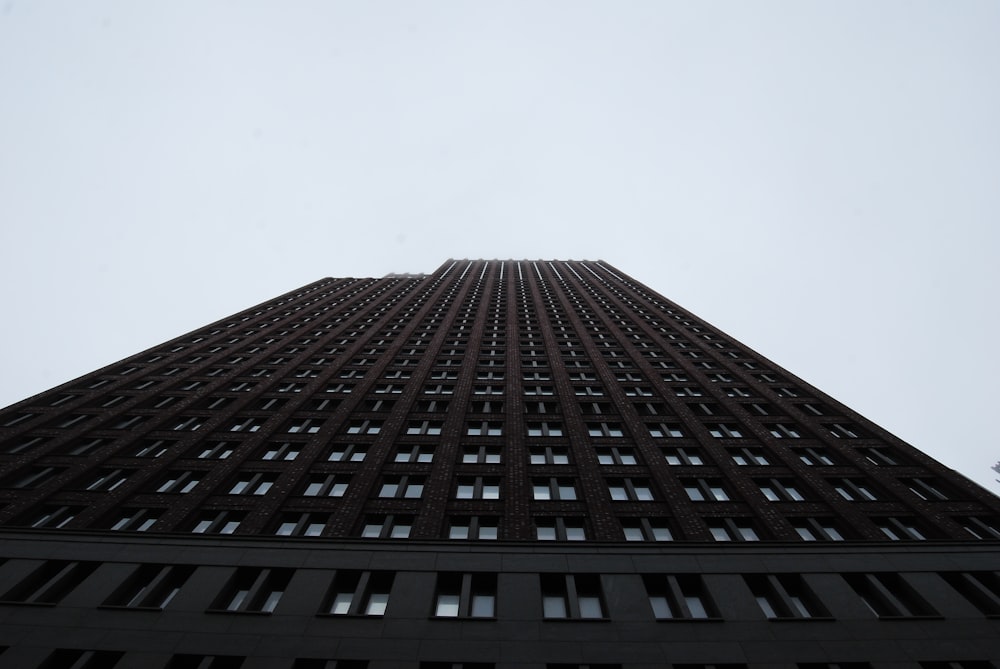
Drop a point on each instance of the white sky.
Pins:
(819, 179)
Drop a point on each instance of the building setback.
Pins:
(530, 464)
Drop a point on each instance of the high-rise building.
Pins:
(541, 465)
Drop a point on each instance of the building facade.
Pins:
(532, 464)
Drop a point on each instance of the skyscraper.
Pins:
(501, 464)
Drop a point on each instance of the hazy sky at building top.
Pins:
(819, 179)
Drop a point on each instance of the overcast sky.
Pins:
(819, 179)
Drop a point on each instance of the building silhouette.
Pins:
(531, 464)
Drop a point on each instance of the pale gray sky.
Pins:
(819, 179)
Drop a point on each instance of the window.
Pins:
(253, 484)
(664, 430)
(682, 456)
(218, 450)
(779, 490)
(880, 456)
(247, 424)
(784, 596)
(364, 427)
(705, 490)
(387, 527)
(926, 489)
(980, 528)
(359, 593)
(732, 529)
(853, 490)
(218, 522)
(980, 588)
(473, 528)
(432, 427)
(646, 529)
(605, 430)
(679, 597)
(136, 520)
(281, 451)
(408, 487)
(484, 455)
(150, 586)
(571, 596)
(477, 487)
(783, 431)
(817, 529)
(545, 429)
(466, 596)
(302, 524)
(53, 515)
(548, 455)
(746, 457)
(180, 482)
(842, 430)
(553, 488)
(616, 456)
(888, 595)
(635, 490)
(329, 485)
(347, 453)
(148, 448)
(900, 529)
(414, 453)
(724, 430)
(560, 529)
(253, 590)
(815, 456)
(484, 428)
(50, 582)
(34, 477)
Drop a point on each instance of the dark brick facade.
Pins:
(531, 432)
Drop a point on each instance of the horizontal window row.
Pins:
(885, 595)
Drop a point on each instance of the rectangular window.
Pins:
(329, 485)
(980, 588)
(136, 520)
(478, 487)
(253, 484)
(548, 455)
(705, 490)
(732, 529)
(151, 586)
(218, 522)
(784, 596)
(779, 490)
(347, 453)
(359, 593)
(552, 489)
(414, 453)
(483, 455)
(560, 529)
(888, 595)
(180, 482)
(50, 582)
(679, 597)
(302, 524)
(387, 527)
(466, 596)
(633, 490)
(646, 529)
(253, 590)
(407, 487)
(474, 528)
(817, 529)
(576, 596)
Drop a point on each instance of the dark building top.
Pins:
(490, 400)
